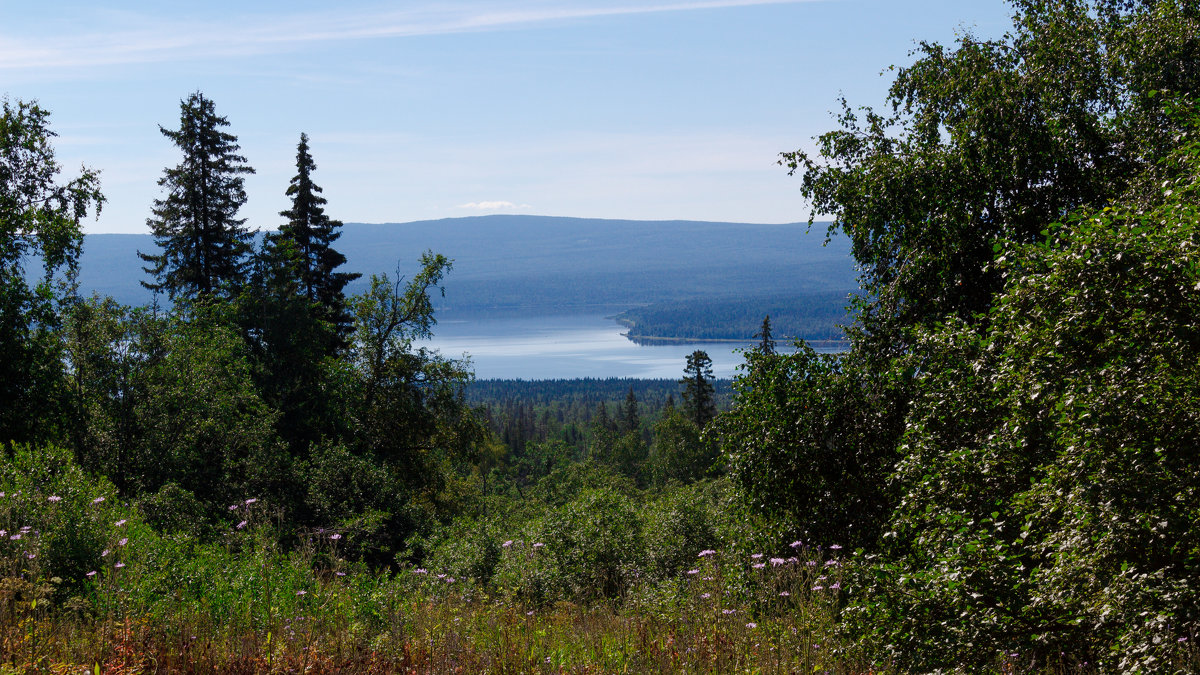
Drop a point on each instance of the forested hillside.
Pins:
(1000, 474)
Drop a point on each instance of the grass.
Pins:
(246, 607)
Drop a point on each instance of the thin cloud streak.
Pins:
(264, 34)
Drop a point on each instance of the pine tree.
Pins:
(633, 421)
(312, 234)
(766, 343)
(698, 398)
(203, 245)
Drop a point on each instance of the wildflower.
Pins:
(705, 596)
(25, 529)
(15, 536)
(751, 625)
(835, 547)
(124, 540)
(1182, 639)
(420, 570)
(31, 556)
(776, 562)
(441, 576)
(97, 500)
(118, 566)
(251, 501)
(756, 556)
(120, 522)
(818, 588)
(105, 553)
(301, 592)
(811, 563)
(836, 585)
(727, 612)
(833, 563)
(241, 525)
(693, 571)
(529, 613)
(3, 533)
(233, 507)
(507, 543)
(707, 552)
(450, 580)
(538, 545)
(759, 566)
(92, 573)
(708, 578)
(784, 594)
(1, 494)
(54, 498)
(822, 578)
(797, 544)
(335, 537)
(341, 574)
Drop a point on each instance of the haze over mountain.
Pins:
(516, 264)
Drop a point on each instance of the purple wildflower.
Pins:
(538, 545)
(836, 585)
(118, 566)
(784, 594)
(756, 556)
(31, 556)
(251, 501)
(727, 612)
(15, 536)
(233, 507)
(693, 571)
(759, 566)
(420, 570)
(335, 537)
(341, 574)
(507, 543)
(707, 552)
(797, 544)
(124, 540)
(301, 592)
(92, 573)
(818, 588)
(835, 547)
(751, 625)
(97, 500)
(705, 596)
(241, 525)
(105, 553)
(776, 562)
(54, 498)
(120, 522)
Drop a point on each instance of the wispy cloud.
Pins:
(493, 206)
(164, 41)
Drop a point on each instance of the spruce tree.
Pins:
(312, 234)
(203, 245)
(699, 403)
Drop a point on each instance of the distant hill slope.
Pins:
(507, 264)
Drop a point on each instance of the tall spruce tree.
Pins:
(699, 402)
(312, 234)
(203, 244)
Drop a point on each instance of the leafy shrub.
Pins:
(1051, 478)
(594, 545)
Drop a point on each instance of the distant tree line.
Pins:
(814, 316)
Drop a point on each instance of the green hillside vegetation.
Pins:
(999, 474)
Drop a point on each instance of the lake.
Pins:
(569, 347)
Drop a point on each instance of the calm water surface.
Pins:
(567, 347)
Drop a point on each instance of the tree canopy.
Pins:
(203, 244)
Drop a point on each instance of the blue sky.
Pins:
(651, 109)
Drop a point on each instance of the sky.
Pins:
(427, 109)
